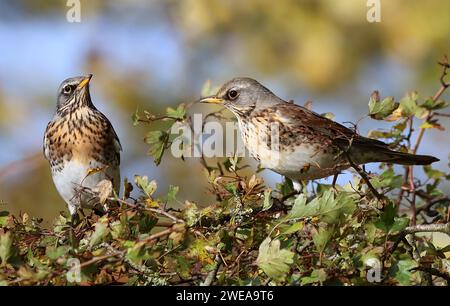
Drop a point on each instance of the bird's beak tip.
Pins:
(85, 81)
(212, 99)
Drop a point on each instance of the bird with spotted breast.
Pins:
(296, 142)
(81, 146)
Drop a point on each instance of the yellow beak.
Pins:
(212, 99)
(85, 81)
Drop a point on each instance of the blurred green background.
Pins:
(154, 54)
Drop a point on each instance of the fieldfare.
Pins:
(81, 146)
(296, 142)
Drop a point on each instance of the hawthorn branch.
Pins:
(428, 228)
(444, 85)
(365, 177)
(431, 203)
(434, 272)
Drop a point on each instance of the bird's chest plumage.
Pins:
(82, 150)
(81, 135)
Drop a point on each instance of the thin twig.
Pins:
(429, 228)
(412, 188)
(365, 178)
(434, 272)
(445, 65)
(432, 202)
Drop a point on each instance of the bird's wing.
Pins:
(45, 147)
(341, 135)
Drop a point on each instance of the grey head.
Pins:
(243, 95)
(74, 92)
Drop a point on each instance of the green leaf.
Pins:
(430, 104)
(6, 246)
(408, 104)
(387, 179)
(118, 229)
(389, 223)
(401, 271)
(322, 237)
(317, 276)
(100, 233)
(178, 113)
(147, 187)
(328, 208)
(172, 193)
(380, 110)
(268, 201)
(386, 219)
(4, 217)
(183, 266)
(190, 213)
(287, 187)
(293, 228)
(136, 252)
(399, 224)
(274, 261)
(56, 252)
(433, 173)
(158, 141)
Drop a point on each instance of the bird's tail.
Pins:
(405, 158)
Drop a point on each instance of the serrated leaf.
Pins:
(401, 271)
(136, 252)
(388, 222)
(399, 224)
(430, 104)
(380, 110)
(317, 276)
(147, 187)
(101, 231)
(326, 207)
(172, 194)
(190, 213)
(178, 113)
(157, 141)
(274, 261)
(322, 237)
(408, 104)
(387, 179)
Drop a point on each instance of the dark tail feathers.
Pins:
(407, 159)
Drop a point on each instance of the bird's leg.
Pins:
(333, 184)
(297, 190)
(74, 220)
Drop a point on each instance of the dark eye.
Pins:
(67, 89)
(232, 94)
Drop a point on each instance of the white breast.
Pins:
(74, 175)
(304, 162)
